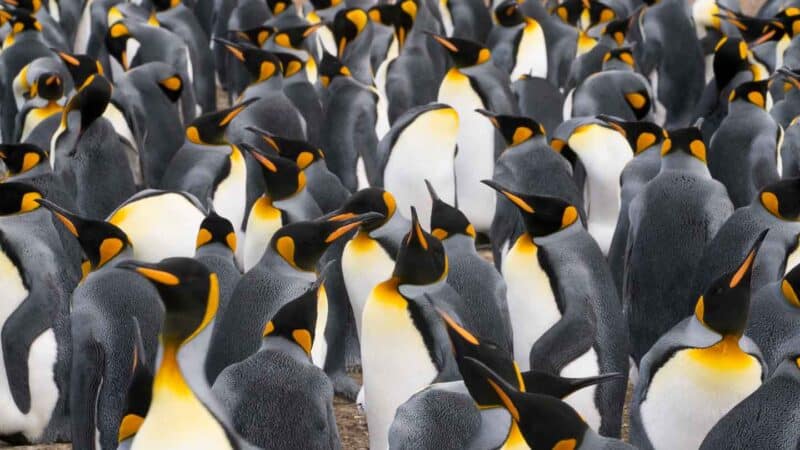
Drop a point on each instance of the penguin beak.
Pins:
(268, 137)
(345, 226)
(745, 270)
(765, 37)
(70, 221)
(232, 47)
(235, 111)
(514, 198)
(431, 191)
(455, 330)
(262, 159)
(152, 272)
(444, 42)
(489, 115)
(507, 393)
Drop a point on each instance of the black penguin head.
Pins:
(760, 30)
(21, 21)
(584, 14)
(257, 36)
(621, 57)
(48, 86)
(324, 4)
(347, 25)
(542, 214)
(216, 229)
(116, 43)
(81, 67)
(301, 244)
(260, 64)
(725, 304)
(508, 14)
(209, 129)
(296, 321)
(18, 198)
(465, 53)
(730, 58)
(467, 345)
(790, 286)
(754, 92)
(303, 153)
(617, 30)
(172, 87)
(514, 129)
(290, 64)
(329, 68)
(400, 16)
(163, 5)
(544, 421)
(100, 241)
(26, 5)
(369, 200)
(91, 101)
(295, 37)
(686, 140)
(791, 78)
(782, 199)
(277, 7)
(640, 135)
(447, 220)
(283, 177)
(20, 158)
(189, 291)
(421, 259)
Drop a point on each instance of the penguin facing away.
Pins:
(774, 316)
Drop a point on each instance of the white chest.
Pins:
(364, 264)
(264, 220)
(230, 198)
(582, 401)
(531, 53)
(382, 124)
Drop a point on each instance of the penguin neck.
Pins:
(460, 241)
(526, 145)
(396, 225)
(417, 290)
(743, 107)
(295, 205)
(274, 83)
(726, 354)
(215, 249)
(125, 254)
(679, 161)
(285, 346)
(276, 262)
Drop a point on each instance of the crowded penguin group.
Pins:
(486, 224)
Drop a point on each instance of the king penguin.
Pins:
(704, 365)
(475, 83)
(286, 270)
(553, 267)
(46, 99)
(216, 249)
(744, 153)
(774, 316)
(115, 321)
(672, 218)
(190, 294)
(396, 317)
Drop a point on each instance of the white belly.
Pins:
(582, 401)
(84, 30)
(531, 53)
(263, 222)
(425, 150)
(176, 234)
(41, 361)
(396, 365)
(319, 349)
(382, 124)
(475, 159)
(793, 258)
(230, 198)
(447, 18)
(531, 301)
(686, 398)
(364, 264)
(604, 153)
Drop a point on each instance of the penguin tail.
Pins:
(86, 379)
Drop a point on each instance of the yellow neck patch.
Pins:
(129, 426)
(789, 294)
(515, 440)
(725, 355)
(387, 293)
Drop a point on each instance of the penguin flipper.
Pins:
(86, 377)
(140, 390)
(22, 327)
(572, 336)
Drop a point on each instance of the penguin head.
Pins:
(296, 321)
(189, 291)
(100, 241)
(725, 304)
(209, 129)
(90, 101)
(324, 4)
(447, 220)
(260, 64)
(301, 244)
(542, 214)
(465, 53)
(172, 87)
(48, 86)
(295, 37)
(216, 229)
(117, 44)
(329, 68)
(730, 58)
(22, 21)
(290, 64)
(368, 200)
(686, 140)
(617, 30)
(20, 158)
(421, 259)
(164, 5)
(641, 136)
(283, 178)
(753, 92)
(277, 7)
(81, 67)
(400, 16)
(782, 199)
(790, 286)
(347, 25)
(28, 5)
(619, 59)
(18, 198)
(791, 78)
(514, 129)
(508, 14)
(466, 345)
(543, 420)
(584, 14)
(303, 153)
(257, 36)
(760, 30)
